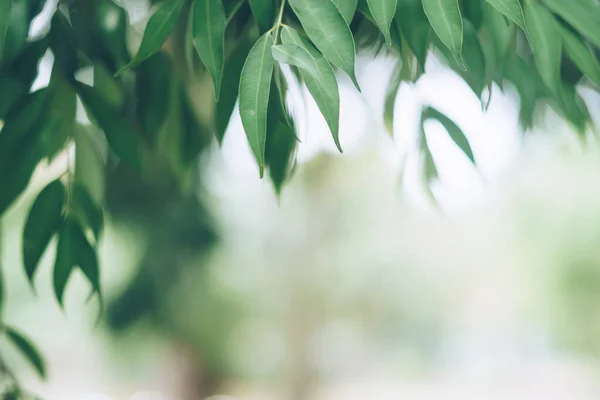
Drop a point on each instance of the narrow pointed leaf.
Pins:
(89, 213)
(446, 20)
(158, 29)
(383, 12)
(86, 258)
(209, 37)
(347, 8)
(329, 32)
(28, 350)
(414, 26)
(455, 133)
(263, 12)
(42, 223)
(325, 90)
(65, 259)
(546, 43)
(255, 83)
(5, 11)
(295, 55)
(390, 98)
(581, 54)
(583, 15)
(511, 9)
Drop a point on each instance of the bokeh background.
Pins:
(353, 283)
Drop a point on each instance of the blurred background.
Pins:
(354, 283)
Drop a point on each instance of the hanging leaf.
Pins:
(42, 223)
(383, 12)
(329, 32)
(455, 133)
(89, 161)
(195, 136)
(446, 20)
(546, 43)
(158, 29)
(65, 258)
(85, 257)
(119, 131)
(475, 75)
(473, 12)
(86, 210)
(209, 37)
(28, 350)
(581, 54)
(324, 90)
(263, 13)
(255, 83)
(230, 86)
(511, 9)
(295, 55)
(583, 15)
(5, 13)
(347, 8)
(414, 25)
(390, 98)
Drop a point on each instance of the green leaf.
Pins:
(209, 37)
(154, 78)
(329, 32)
(263, 13)
(158, 29)
(390, 98)
(456, 134)
(473, 12)
(107, 85)
(231, 84)
(475, 75)
(446, 20)
(347, 8)
(65, 258)
(581, 54)
(28, 350)
(195, 137)
(85, 257)
(43, 221)
(324, 90)
(86, 209)
(118, 130)
(414, 25)
(383, 12)
(89, 161)
(5, 12)
(255, 83)
(16, 33)
(511, 9)
(295, 55)
(546, 43)
(583, 15)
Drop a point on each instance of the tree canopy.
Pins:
(157, 99)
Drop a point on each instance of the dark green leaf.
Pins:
(42, 223)
(65, 260)
(17, 30)
(583, 15)
(86, 209)
(347, 8)
(195, 137)
(5, 13)
(255, 83)
(581, 54)
(263, 12)
(473, 12)
(159, 27)
(511, 9)
(329, 32)
(209, 33)
(108, 86)
(546, 43)
(85, 257)
(28, 350)
(383, 12)
(415, 27)
(119, 131)
(446, 21)
(324, 90)
(456, 134)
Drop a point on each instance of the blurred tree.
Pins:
(157, 108)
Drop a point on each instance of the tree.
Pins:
(157, 108)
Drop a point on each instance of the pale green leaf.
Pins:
(583, 15)
(347, 8)
(383, 12)
(581, 54)
(209, 37)
(329, 32)
(446, 20)
(546, 43)
(158, 29)
(295, 55)
(325, 90)
(511, 9)
(255, 84)
(28, 350)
